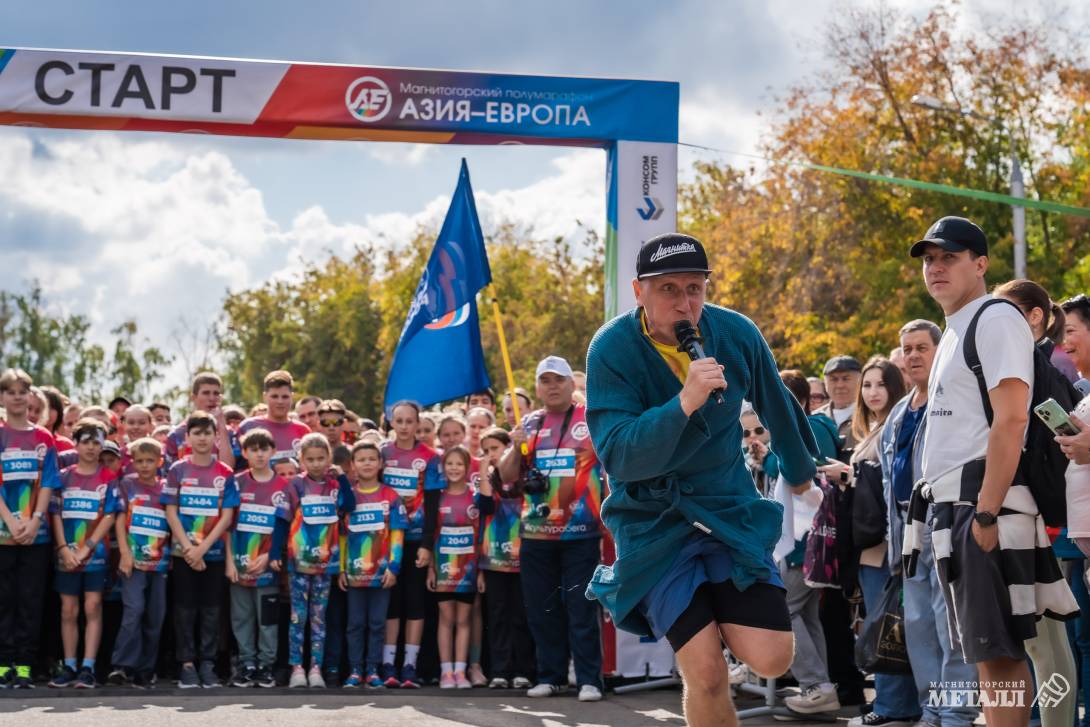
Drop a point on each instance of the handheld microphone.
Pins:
(689, 342)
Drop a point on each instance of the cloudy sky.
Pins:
(158, 227)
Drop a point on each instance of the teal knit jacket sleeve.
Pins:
(792, 439)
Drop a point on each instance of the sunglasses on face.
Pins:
(756, 430)
(818, 397)
(331, 422)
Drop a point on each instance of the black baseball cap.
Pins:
(671, 252)
(119, 400)
(841, 363)
(954, 234)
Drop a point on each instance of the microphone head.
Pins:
(684, 331)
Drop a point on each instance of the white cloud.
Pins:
(401, 154)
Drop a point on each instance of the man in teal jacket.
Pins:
(694, 538)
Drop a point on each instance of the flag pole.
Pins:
(506, 359)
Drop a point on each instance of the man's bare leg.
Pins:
(766, 652)
(706, 699)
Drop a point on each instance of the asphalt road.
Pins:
(298, 708)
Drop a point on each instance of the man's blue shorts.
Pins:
(682, 600)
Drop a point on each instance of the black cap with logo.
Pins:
(953, 234)
(672, 252)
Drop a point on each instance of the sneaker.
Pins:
(298, 677)
(188, 678)
(873, 719)
(143, 680)
(813, 700)
(85, 679)
(521, 683)
(264, 678)
(462, 681)
(244, 677)
(408, 678)
(497, 683)
(544, 690)
(446, 681)
(314, 679)
(208, 677)
(7, 677)
(23, 679)
(332, 678)
(388, 674)
(739, 673)
(476, 676)
(354, 680)
(65, 678)
(374, 681)
(120, 676)
(590, 693)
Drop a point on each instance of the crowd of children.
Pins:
(324, 547)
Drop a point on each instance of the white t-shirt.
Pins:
(957, 429)
(842, 415)
(1078, 487)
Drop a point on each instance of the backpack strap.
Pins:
(972, 356)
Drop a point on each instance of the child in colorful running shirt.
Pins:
(28, 476)
(500, 505)
(254, 553)
(371, 540)
(83, 510)
(286, 432)
(206, 393)
(405, 469)
(452, 572)
(143, 540)
(454, 430)
(317, 500)
(200, 499)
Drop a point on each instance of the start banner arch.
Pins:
(635, 121)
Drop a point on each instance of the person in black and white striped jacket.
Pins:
(991, 550)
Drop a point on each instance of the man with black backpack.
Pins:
(995, 587)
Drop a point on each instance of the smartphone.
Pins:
(1055, 418)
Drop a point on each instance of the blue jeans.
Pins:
(144, 597)
(934, 657)
(366, 627)
(895, 694)
(562, 620)
(1078, 631)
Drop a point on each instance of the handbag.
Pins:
(821, 566)
(881, 648)
(868, 506)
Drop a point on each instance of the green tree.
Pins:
(820, 261)
(324, 327)
(55, 349)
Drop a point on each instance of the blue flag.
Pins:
(439, 354)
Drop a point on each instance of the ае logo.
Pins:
(368, 99)
(652, 209)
